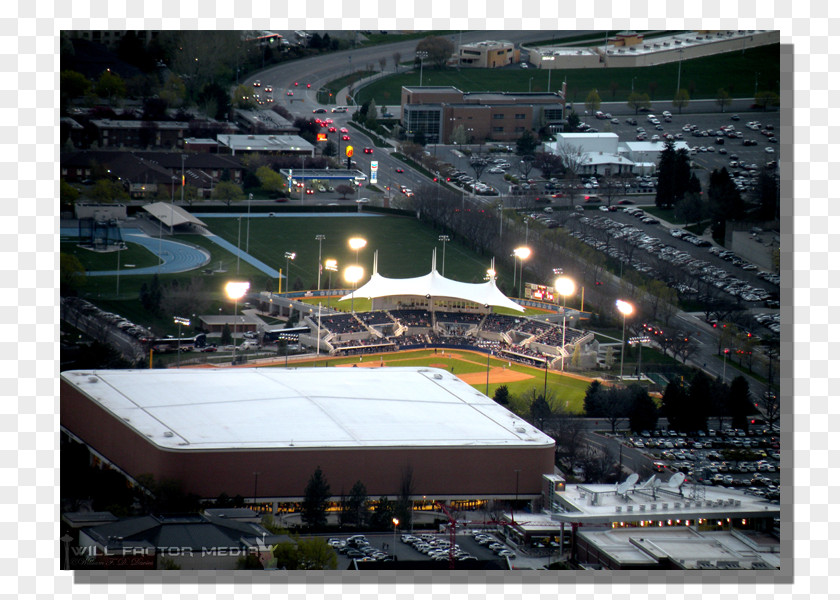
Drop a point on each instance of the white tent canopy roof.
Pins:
(435, 285)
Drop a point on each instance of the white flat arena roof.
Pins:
(273, 408)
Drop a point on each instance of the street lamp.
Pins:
(396, 522)
(421, 55)
(330, 265)
(625, 308)
(353, 274)
(565, 286)
(289, 256)
(248, 224)
(320, 237)
(357, 244)
(521, 253)
(444, 239)
(236, 290)
(181, 321)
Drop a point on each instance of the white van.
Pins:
(249, 345)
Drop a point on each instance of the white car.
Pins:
(769, 150)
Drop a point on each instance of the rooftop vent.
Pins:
(168, 434)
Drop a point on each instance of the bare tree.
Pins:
(478, 163)
(382, 62)
(396, 56)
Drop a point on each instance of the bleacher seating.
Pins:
(344, 323)
(412, 318)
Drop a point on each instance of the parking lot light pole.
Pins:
(320, 237)
(180, 321)
(331, 265)
(444, 239)
(236, 290)
(396, 522)
(625, 308)
(565, 286)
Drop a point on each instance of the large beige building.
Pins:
(488, 54)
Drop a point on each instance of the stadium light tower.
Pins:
(522, 253)
(181, 321)
(320, 237)
(353, 274)
(565, 286)
(625, 308)
(289, 256)
(444, 239)
(330, 265)
(236, 290)
(357, 244)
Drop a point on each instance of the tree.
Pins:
(357, 505)
(767, 194)
(768, 405)
(383, 512)
(184, 297)
(243, 97)
(110, 86)
(73, 85)
(527, 144)
(228, 192)
(739, 402)
(345, 189)
(382, 62)
(613, 88)
(718, 394)
(724, 200)
(572, 122)
(315, 497)
(539, 409)
(68, 193)
(643, 414)
(690, 209)
(593, 101)
(502, 395)
(592, 399)
(681, 99)
(72, 276)
(174, 91)
(665, 183)
(271, 180)
(674, 404)
(722, 98)
(698, 400)
(616, 405)
(403, 505)
(227, 336)
(458, 136)
(370, 119)
(396, 56)
(107, 190)
(549, 164)
(764, 99)
(305, 554)
(478, 164)
(638, 101)
(438, 50)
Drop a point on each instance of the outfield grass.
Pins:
(564, 392)
(700, 76)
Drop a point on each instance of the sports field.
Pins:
(564, 391)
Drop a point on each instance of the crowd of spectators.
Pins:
(554, 336)
(376, 317)
(412, 318)
(454, 317)
(343, 323)
(499, 323)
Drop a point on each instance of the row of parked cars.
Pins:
(112, 319)
(359, 548)
(435, 548)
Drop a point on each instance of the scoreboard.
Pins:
(535, 291)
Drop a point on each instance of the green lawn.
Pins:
(404, 245)
(563, 392)
(135, 255)
(700, 76)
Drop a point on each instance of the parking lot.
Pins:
(748, 460)
(469, 548)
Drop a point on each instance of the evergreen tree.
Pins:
(665, 183)
(357, 505)
(502, 395)
(227, 336)
(718, 394)
(674, 404)
(383, 512)
(682, 173)
(540, 410)
(739, 402)
(592, 400)
(315, 497)
(697, 415)
(724, 201)
(643, 413)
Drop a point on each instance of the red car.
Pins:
(345, 137)
(368, 150)
(332, 130)
(344, 130)
(399, 170)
